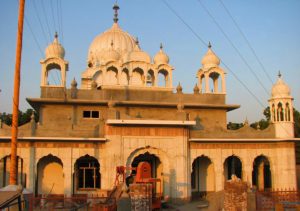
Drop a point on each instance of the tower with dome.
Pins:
(122, 114)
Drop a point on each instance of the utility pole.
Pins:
(14, 129)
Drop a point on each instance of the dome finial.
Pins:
(56, 35)
(116, 8)
(279, 74)
(161, 46)
(209, 44)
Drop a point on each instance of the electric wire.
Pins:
(204, 43)
(226, 66)
(49, 30)
(247, 41)
(39, 20)
(235, 48)
(46, 19)
(58, 17)
(183, 21)
(53, 16)
(61, 20)
(36, 42)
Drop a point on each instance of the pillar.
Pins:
(223, 84)
(67, 170)
(216, 88)
(207, 84)
(260, 176)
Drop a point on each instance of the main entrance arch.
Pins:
(159, 162)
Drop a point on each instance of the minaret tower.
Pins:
(54, 54)
(281, 108)
(210, 72)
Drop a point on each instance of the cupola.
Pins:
(161, 57)
(55, 49)
(210, 59)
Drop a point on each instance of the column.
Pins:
(261, 174)
(200, 83)
(216, 88)
(223, 84)
(63, 76)
(30, 169)
(67, 170)
(207, 83)
(155, 78)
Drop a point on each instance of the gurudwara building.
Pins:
(127, 110)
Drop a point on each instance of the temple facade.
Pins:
(126, 110)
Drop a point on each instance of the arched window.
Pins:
(150, 78)
(232, 166)
(98, 78)
(215, 82)
(124, 77)
(280, 112)
(87, 174)
(53, 75)
(261, 174)
(111, 76)
(203, 176)
(138, 77)
(163, 78)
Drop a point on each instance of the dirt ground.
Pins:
(213, 202)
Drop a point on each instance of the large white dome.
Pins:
(123, 43)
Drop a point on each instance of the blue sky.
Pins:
(271, 26)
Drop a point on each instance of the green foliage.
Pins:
(234, 126)
(297, 123)
(264, 123)
(23, 117)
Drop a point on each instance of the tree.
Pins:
(24, 117)
(234, 126)
(264, 123)
(297, 123)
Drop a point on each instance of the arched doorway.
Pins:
(168, 173)
(261, 174)
(87, 173)
(5, 171)
(232, 166)
(50, 177)
(155, 163)
(202, 177)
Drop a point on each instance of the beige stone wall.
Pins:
(174, 153)
(280, 155)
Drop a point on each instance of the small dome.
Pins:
(122, 41)
(161, 57)
(111, 54)
(210, 59)
(138, 55)
(280, 88)
(55, 49)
